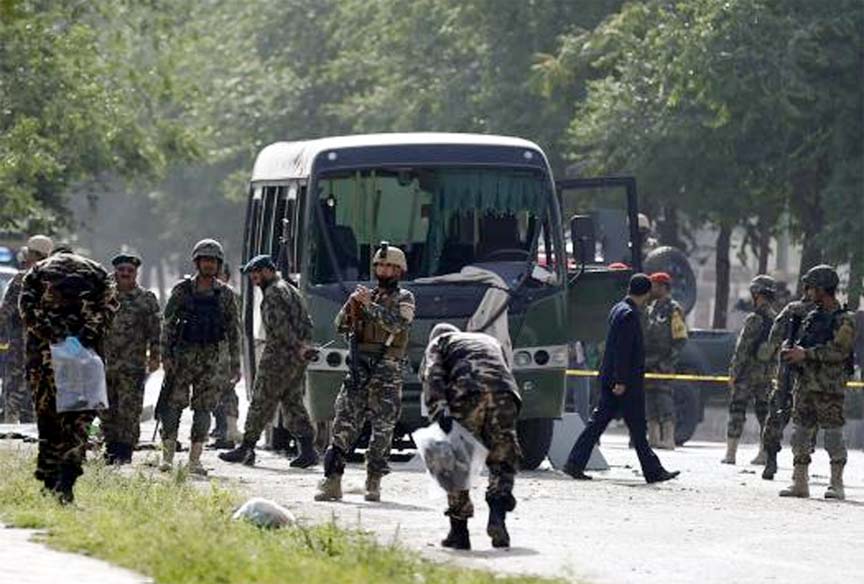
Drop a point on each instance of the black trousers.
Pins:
(631, 406)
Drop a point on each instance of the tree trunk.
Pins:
(722, 267)
(764, 244)
(160, 282)
(856, 280)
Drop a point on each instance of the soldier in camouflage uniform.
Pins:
(17, 398)
(466, 378)
(665, 337)
(281, 372)
(750, 376)
(200, 315)
(824, 355)
(786, 325)
(63, 295)
(131, 351)
(379, 321)
(226, 413)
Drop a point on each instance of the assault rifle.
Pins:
(792, 328)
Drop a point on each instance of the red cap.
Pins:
(661, 277)
(618, 266)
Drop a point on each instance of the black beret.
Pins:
(126, 258)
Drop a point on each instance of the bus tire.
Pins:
(535, 436)
(688, 412)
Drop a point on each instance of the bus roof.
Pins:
(293, 160)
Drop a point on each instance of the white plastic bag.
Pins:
(454, 460)
(264, 513)
(79, 376)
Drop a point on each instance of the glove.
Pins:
(445, 420)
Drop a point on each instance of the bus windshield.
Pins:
(444, 218)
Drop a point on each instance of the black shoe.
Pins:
(664, 475)
(221, 444)
(497, 528)
(770, 466)
(458, 538)
(242, 454)
(112, 452)
(308, 457)
(576, 473)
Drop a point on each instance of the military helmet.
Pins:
(822, 276)
(388, 254)
(763, 284)
(208, 248)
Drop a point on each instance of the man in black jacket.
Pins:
(622, 376)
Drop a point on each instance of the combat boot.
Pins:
(169, 447)
(458, 538)
(654, 434)
(770, 466)
(731, 450)
(835, 489)
(330, 489)
(800, 483)
(668, 432)
(373, 488)
(111, 453)
(63, 489)
(496, 528)
(195, 466)
(124, 454)
(760, 458)
(242, 454)
(307, 457)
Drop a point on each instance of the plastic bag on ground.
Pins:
(264, 513)
(79, 375)
(454, 460)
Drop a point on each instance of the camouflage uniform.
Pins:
(665, 336)
(63, 295)
(281, 372)
(134, 332)
(229, 403)
(780, 400)
(193, 362)
(18, 401)
(377, 397)
(467, 374)
(750, 376)
(828, 339)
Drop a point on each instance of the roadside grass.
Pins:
(177, 533)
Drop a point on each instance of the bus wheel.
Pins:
(535, 436)
(688, 412)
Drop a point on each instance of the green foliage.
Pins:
(176, 532)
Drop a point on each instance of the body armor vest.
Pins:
(203, 322)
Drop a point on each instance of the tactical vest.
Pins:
(819, 329)
(203, 322)
(373, 337)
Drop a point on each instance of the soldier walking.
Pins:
(750, 375)
(665, 337)
(281, 372)
(131, 352)
(200, 315)
(378, 322)
(18, 400)
(824, 356)
(466, 378)
(61, 296)
(786, 331)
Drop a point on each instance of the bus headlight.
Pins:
(522, 359)
(559, 356)
(334, 359)
(541, 357)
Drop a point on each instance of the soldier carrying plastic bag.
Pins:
(467, 385)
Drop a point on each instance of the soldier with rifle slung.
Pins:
(785, 332)
(378, 323)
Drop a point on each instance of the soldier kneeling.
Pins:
(466, 378)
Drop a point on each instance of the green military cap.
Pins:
(822, 276)
(126, 258)
(763, 284)
(259, 262)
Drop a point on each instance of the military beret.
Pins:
(661, 277)
(126, 258)
(259, 262)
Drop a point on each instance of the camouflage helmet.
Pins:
(822, 276)
(208, 248)
(388, 254)
(763, 284)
